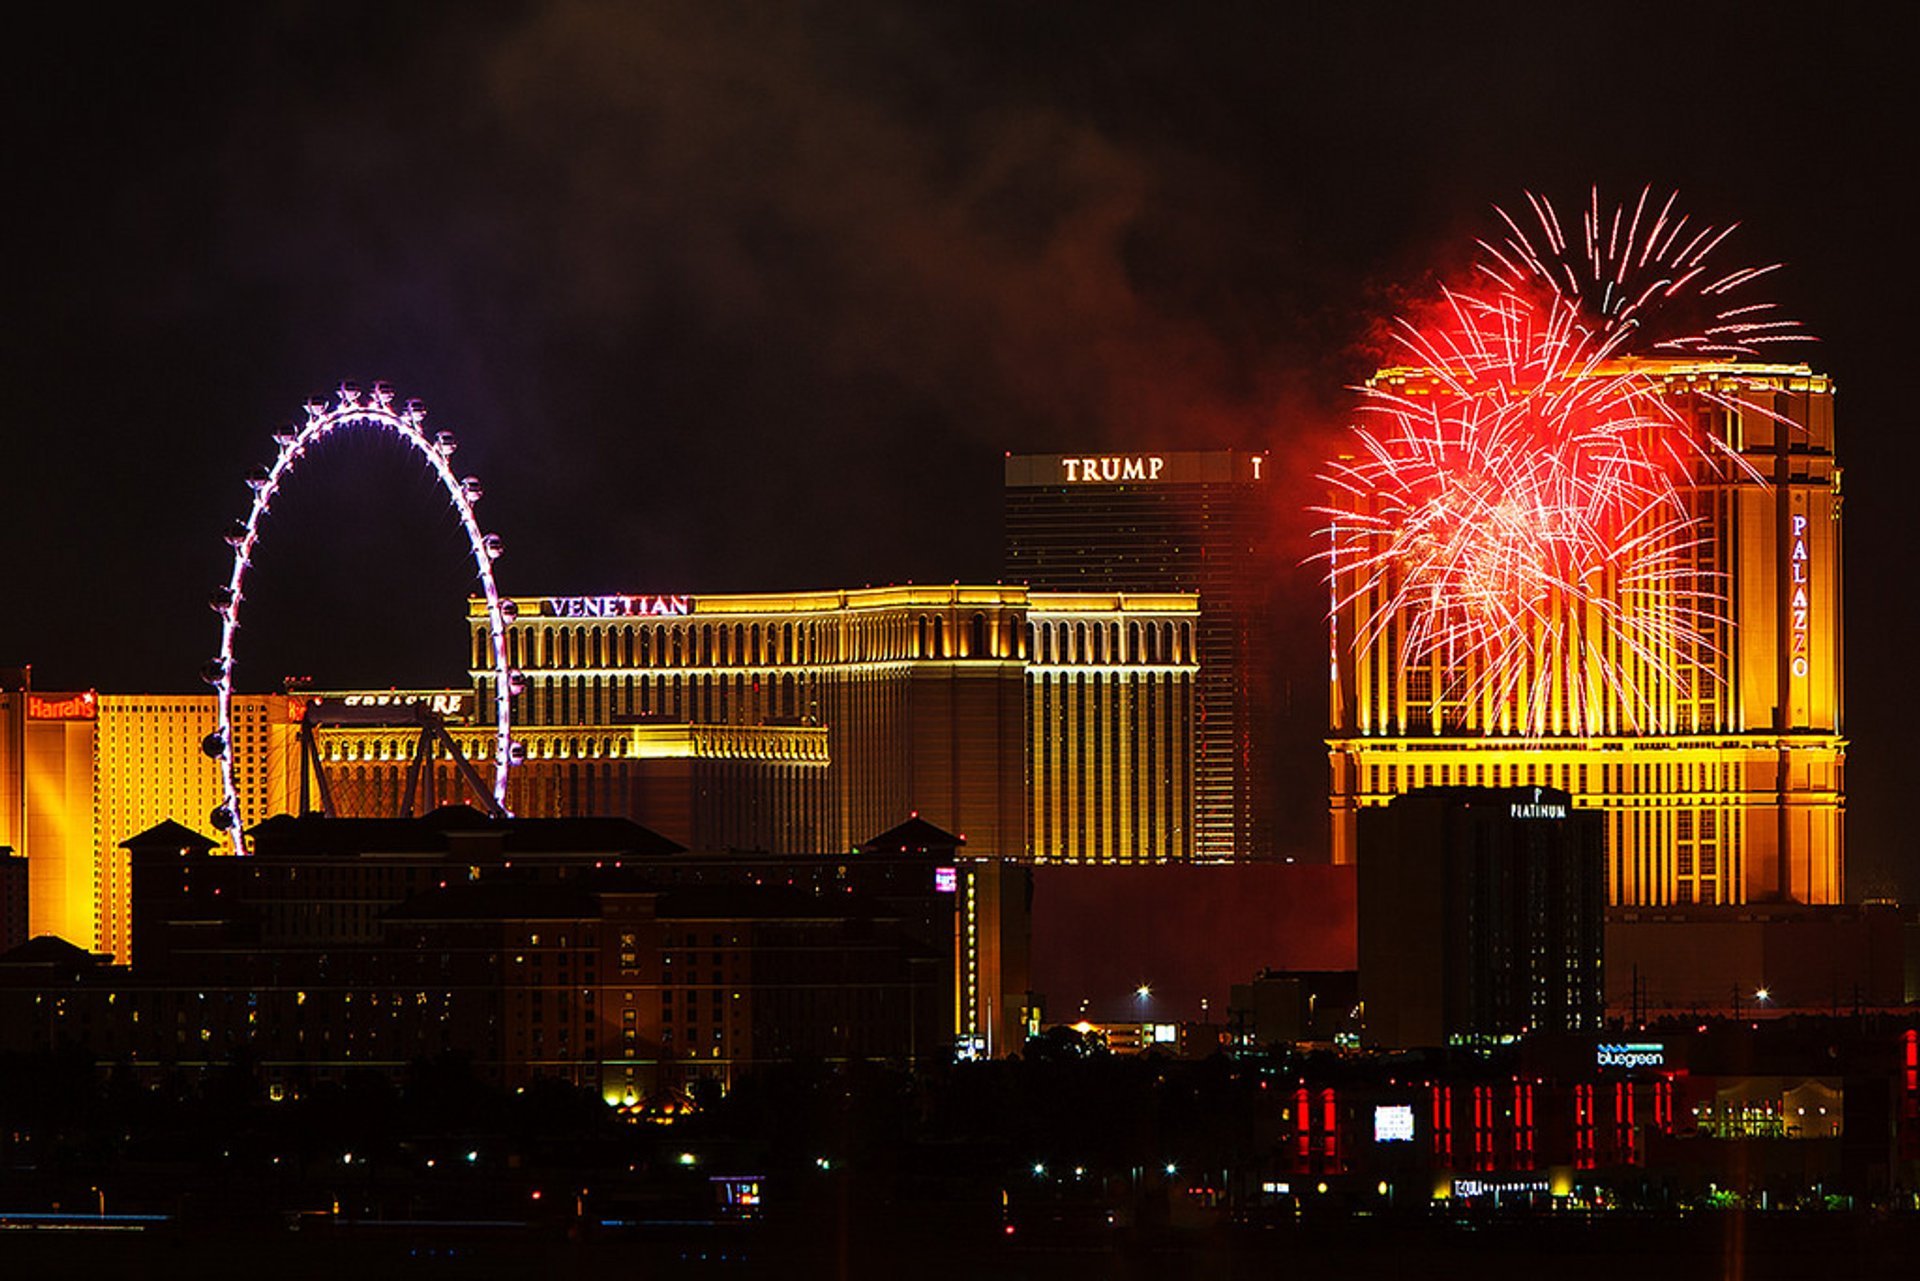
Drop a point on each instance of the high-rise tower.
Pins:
(1173, 522)
(1726, 785)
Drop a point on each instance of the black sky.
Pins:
(726, 297)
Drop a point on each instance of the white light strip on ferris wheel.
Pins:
(353, 409)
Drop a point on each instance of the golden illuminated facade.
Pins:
(46, 805)
(793, 722)
(705, 786)
(1174, 521)
(1739, 795)
(81, 772)
(1111, 736)
(1043, 725)
(148, 767)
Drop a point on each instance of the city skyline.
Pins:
(878, 637)
(715, 361)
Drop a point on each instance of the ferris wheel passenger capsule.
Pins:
(213, 671)
(259, 478)
(517, 752)
(220, 600)
(221, 818)
(285, 437)
(470, 489)
(213, 746)
(382, 396)
(492, 545)
(236, 533)
(444, 444)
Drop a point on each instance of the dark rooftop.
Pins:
(170, 835)
(915, 836)
(293, 836)
(53, 952)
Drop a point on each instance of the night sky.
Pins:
(726, 297)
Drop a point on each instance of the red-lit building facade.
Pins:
(1657, 1115)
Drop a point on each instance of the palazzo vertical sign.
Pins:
(1798, 605)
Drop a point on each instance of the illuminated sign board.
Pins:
(1494, 1187)
(1163, 1033)
(1393, 1123)
(1630, 1054)
(1112, 468)
(450, 704)
(1797, 603)
(946, 880)
(60, 707)
(1537, 808)
(615, 606)
(1118, 469)
(1157, 468)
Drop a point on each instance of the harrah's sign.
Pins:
(60, 707)
(616, 606)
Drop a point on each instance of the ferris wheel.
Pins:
(354, 410)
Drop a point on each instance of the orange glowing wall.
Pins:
(1740, 794)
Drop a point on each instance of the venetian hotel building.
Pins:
(1739, 797)
(1055, 727)
(1051, 726)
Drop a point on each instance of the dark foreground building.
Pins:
(13, 899)
(1482, 916)
(589, 950)
(1772, 1113)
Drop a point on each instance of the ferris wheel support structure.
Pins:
(354, 410)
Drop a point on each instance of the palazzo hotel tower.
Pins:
(1731, 790)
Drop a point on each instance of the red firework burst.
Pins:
(1513, 521)
(1514, 518)
(1641, 270)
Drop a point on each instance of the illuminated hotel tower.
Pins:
(46, 802)
(80, 772)
(1052, 726)
(148, 768)
(1173, 522)
(1739, 796)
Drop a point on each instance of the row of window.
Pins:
(540, 646)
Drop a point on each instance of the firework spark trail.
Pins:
(1511, 515)
(1516, 517)
(1625, 279)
